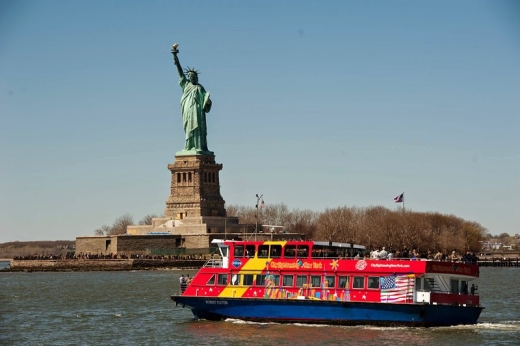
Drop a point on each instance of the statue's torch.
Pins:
(174, 48)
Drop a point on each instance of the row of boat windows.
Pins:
(294, 251)
(298, 281)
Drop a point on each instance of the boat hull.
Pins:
(329, 312)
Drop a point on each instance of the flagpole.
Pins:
(403, 201)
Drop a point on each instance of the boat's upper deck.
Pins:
(324, 256)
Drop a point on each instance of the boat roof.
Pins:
(318, 243)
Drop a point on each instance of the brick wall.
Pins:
(94, 245)
(144, 244)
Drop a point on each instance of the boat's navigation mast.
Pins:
(258, 198)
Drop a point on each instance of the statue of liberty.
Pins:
(195, 103)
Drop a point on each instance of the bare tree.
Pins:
(119, 226)
(304, 222)
(276, 214)
(147, 220)
(244, 214)
(232, 210)
(103, 230)
(473, 233)
(334, 224)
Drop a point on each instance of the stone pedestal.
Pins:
(195, 188)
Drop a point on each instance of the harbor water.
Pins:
(134, 308)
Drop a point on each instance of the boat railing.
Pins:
(213, 263)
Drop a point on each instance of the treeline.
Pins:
(30, 248)
(374, 226)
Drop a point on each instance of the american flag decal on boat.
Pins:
(396, 289)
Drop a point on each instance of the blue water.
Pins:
(4, 264)
(134, 308)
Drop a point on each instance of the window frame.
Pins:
(288, 280)
(356, 280)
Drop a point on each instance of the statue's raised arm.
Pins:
(175, 51)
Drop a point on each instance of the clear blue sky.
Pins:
(316, 104)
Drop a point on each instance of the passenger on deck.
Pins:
(473, 289)
(454, 256)
(383, 254)
(183, 284)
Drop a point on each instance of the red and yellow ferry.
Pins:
(329, 283)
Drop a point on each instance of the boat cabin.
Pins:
(329, 271)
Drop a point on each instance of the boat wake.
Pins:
(504, 326)
(312, 325)
(501, 326)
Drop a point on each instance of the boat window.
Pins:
(418, 284)
(303, 251)
(359, 282)
(250, 251)
(454, 284)
(330, 281)
(464, 286)
(239, 251)
(301, 280)
(333, 252)
(289, 251)
(235, 279)
(275, 278)
(373, 282)
(315, 281)
(211, 281)
(343, 282)
(276, 251)
(263, 251)
(288, 280)
(224, 251)
(222, 279)
(358, 254)
(342, 252)
(260, 280)
(263, 280)
(248, 279)
(319, 251)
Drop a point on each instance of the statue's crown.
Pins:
(191, 70)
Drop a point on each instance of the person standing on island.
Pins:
(195, 103)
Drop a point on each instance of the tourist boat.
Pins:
(329, 283)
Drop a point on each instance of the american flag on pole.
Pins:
(397, 288)
(399, 199)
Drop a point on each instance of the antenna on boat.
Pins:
(258, 198)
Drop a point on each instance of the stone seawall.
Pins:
(102, 264)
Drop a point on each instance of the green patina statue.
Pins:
(195, 103)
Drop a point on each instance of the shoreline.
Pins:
(68, 265)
